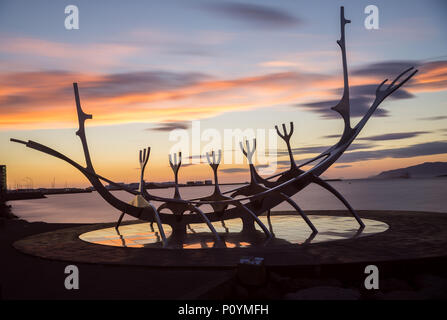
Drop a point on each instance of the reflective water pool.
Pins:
(287, 229)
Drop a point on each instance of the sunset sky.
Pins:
(147, 67)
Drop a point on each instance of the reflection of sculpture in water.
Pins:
(331, 228)
(246, 203)
(123, 237)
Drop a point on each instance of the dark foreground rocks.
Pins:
(424, 286)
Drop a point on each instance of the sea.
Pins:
(363, 194)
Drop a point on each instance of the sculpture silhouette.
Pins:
(248, 202)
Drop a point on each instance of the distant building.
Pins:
(3, 184)
(208, 182)
(117, 186)
(133, 185)
(190, 183)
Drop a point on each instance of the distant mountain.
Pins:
(423, 170)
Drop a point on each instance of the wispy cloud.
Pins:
(33, 98)
(394, 136)
(169, 126)
(158, 96)
(432, 77)
(317, 149)
(435, 118)
(343, 166)
(359, 106)
(386, 69)
(234, 170)
(361, 152)
(257, 15)
(85, 56)
(278, 64)
(416, 150)
(331, 136)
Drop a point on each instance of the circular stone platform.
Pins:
(411, 235)
(287, 229)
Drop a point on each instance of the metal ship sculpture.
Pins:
(247, 202)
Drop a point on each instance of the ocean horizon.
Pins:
(417, 194)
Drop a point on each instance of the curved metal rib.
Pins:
(298, 209)
(269, 221)
(255, 218)
(160, 226)
(207, 221)
(332, 190)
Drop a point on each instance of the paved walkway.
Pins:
(27, 277)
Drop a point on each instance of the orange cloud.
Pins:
(90, 56)
(433, 77)
(33, 99)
